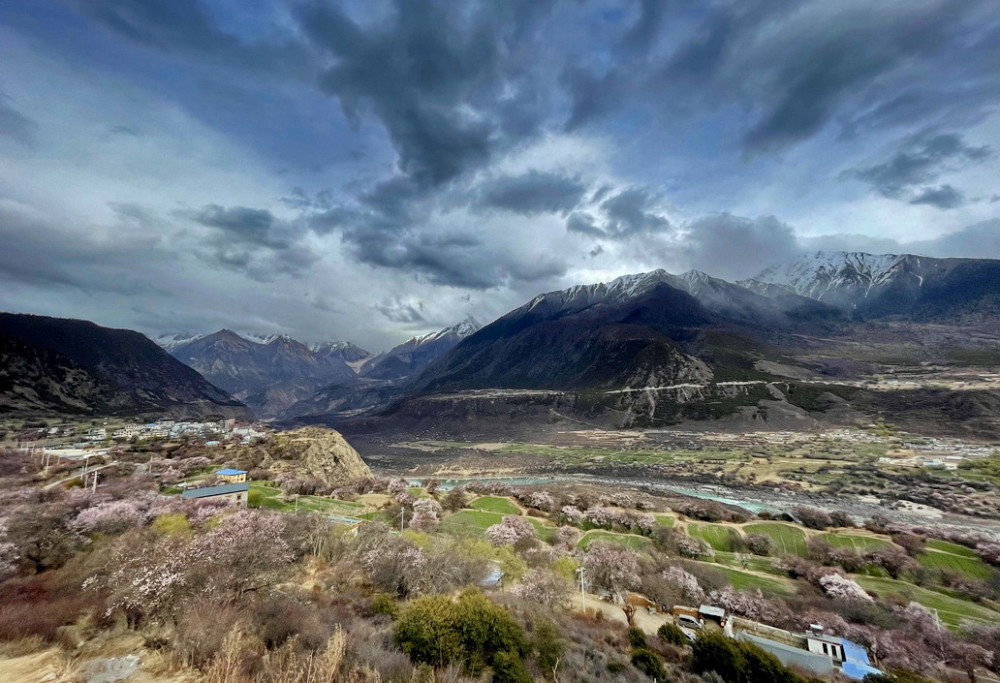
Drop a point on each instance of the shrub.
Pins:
(814, 518)
(383, 603)
(455, 500)
(636, 637)
(672, 634)
(436, 630)
(649, 663)
(549, 646)
(508, 667)
(172, 524)
(759, 544)
(737, 661)
(255, 498)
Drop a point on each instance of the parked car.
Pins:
(687, 621)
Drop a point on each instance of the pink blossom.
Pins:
(513, 530)
(842, 588)
(543, 587)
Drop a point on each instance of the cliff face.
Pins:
(315, 453)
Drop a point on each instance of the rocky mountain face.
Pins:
(269, 374)
(917, 288)
(414, 354)
(314, 453)
(74, 366)
(384, 377)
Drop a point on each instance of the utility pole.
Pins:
(94, 489)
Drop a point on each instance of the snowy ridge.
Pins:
(171, 340)
(463, 329)
(824, 273)
(620, 289)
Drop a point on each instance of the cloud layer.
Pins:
(370, 170)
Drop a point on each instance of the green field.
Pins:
(495, 504)
(745, 581)
(787, 539)
(747, 561)
(339, 508)
(859, 543)
(717, 536)
(632, 541)
(953, 548)
(472, 520)
(666, 520)
(950, 610)
(972, 567)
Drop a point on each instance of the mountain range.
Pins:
(77, 367)
(272, 373)
(626, 347)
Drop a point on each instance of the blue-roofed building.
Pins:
(233, 493)
(231, 476)
(788, 655)
(856, 663)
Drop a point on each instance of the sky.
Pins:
(369, 170)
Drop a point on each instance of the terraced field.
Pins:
(666, 520)
(952, 611)
(495, 504)
(972, 567)
(717, 536)
(858, 542)
(953, 548)
(742, 580)
(787, 539)
(628, 540)
(471, 521)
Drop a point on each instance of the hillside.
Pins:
(74, 366)
(269, 374)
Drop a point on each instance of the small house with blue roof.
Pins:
(231, 476)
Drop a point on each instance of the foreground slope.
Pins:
(75, 366)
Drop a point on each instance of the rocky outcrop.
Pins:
(315, 453)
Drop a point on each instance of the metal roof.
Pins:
(854, 652)
(215, 490)
(712, 611)
(229, 471)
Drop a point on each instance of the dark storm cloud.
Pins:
(628, 213)
(531, 193)
(943, 197)
(797, 66)
(185, 27)
(16, 125)
(254, 241)
(248, 225)
(435, 74)
(920, 160)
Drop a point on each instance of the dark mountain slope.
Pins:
(269, 376)
(75, 366)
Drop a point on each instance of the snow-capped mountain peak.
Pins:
(171, 340)
(822, 274)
